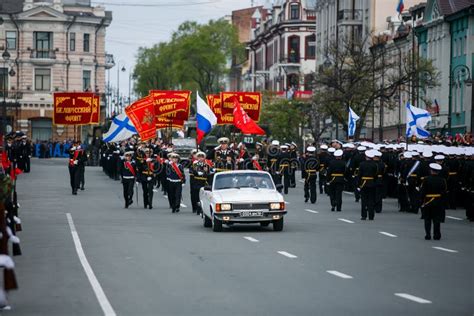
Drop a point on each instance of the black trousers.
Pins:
(276, 179)
(356, 192)
(310, 191)
(82, 181)
(74, 177)
(174, 194)
(293, 177)
(147, 187)
(379, 195)
(336, 195)
(128, 189)
(436, 227)
(286, 180)
(27, 164)
(367, 195)
(403, 198)
(322, 183)
(195, 188)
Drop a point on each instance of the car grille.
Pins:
(250, 206)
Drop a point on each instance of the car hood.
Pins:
(247, 195)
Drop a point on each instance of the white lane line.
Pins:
(455, 218)
(287, 254)
(345, 220)
(347, 192)
(183, 205)
(445, 249)
(251, 239)
(311, 211)
(388, 234)
(413, 298)
(99, 292)
(339, 274)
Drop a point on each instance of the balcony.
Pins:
(290, 59)
(11, 95)
(43, 57)
(109, 61)
(348, 17)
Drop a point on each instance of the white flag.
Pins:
(416, 121)
(121, 129)
(351, 124)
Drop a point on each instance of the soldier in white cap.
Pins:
(336, 172)
(128, 172)
(309, 169)
(176, 178)
(367, 175)
(323, 165)
(433, 195)
(200, 171)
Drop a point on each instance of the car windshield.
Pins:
(243, 180)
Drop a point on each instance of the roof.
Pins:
(448, 7)
(11, 6)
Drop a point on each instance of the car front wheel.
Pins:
(217, 225)
(278, 225)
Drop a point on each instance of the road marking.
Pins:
(455, 218)
(445, 249)
(413, 298)
(347, 192)
(388, 234)
(339, 274)
(183, 205)
(345, 220)
(287, 254)
(251, 239)
(99, 292)
(311, 211)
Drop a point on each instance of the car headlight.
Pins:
(222, 207)
(277, 206)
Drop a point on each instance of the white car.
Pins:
(244, 196)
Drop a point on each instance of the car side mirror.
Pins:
(279, 187)
(207, 188)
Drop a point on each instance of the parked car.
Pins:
(243, 196)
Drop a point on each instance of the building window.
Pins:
(294, 49)
(86, 42)
(3, 81)
(310, 50)
(41, 129)
(86, 80)
(11, 40)
(72, 42)
(43, 44)
(295, 11)
(42, 79)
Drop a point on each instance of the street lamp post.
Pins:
(123, 69)
(6, 58)
(464, 70)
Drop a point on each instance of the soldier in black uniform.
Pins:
(309, 169)
(148, 168)
(273, 154)
(221, 153)
(467, 185)
(359, 156)
(323, 158)
(24, 154)
(366, 184)
(76, 158)
(284, 167)
(128, 173)
(453, 166)
(200, 171)
(293, 164)
(242, 157)
(403, 167)
(379, 184)
(175, 178)
(336, 171)
(433, 194)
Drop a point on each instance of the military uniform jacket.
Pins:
(367, 173)
(148, 169)
(309, 166)
(175, 176)
(380, 172)
(336, 171)
(128, 170)
(199, 172)
(433, 194)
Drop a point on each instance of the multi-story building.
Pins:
(281, 50)
(53, 46)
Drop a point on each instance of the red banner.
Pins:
(172, 104)
(214, 102)
(95, 118)
(243, 121)
(251, 102)
(72, 108)
(142, 115)
(163, 122)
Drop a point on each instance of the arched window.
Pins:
(294, 49)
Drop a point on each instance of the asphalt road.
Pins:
(153, 262)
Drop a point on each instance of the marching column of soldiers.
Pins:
(412, 174)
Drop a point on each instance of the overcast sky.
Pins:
(146, 22)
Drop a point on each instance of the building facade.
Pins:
(54, 46)
(281, 49)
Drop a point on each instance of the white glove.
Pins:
(149, 160)
(148, 179)
(76, 162)
(200, 173)
(241, 160)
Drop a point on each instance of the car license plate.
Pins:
(251, 213)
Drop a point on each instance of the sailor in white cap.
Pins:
(359, 156)
(379, 184)
(273, 154)
(293, 164)
(309, 169)
(176, 178)
(336, 173)
(367, 175)
(200, 171)
(128, 172)
(148, 169)
(433, 193)
(324, 158)
(284, 167)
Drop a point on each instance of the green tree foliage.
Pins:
(196, 57)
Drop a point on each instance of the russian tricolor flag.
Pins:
(205, 118)
(400, 7)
